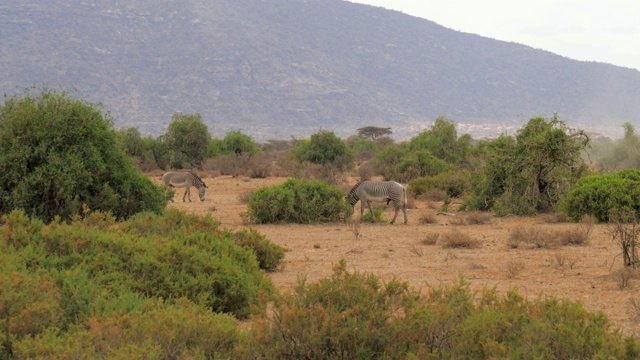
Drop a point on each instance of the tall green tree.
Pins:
(59, 154)
(443, 142)
(188, 137)
(533, 173)
(235, 142)
(322, 148)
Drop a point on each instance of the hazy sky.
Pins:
(593, 30)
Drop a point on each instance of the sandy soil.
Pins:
(591, 274)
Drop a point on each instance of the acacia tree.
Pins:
(58, 155)
(188, 137)
(373, 132)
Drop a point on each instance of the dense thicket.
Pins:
(58, 155)
(153, 282)
(357, 316)
(532, 172)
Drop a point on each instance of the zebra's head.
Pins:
(201, 191)
(352, 196)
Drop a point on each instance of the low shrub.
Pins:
(377, 213)
(357, 316)
(297, 201)
(532, 235)
(597, 194)
(58, 279)
(478, 217)
(458, 239)
(268, 254)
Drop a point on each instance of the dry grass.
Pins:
(535, 236)
(458, 220)
(580, 234)
(457, 239)
(355, 228)
(514, 267)
(428, 218)
(430, 239)
(478, 217)
(634, 309)
(417, 250)
(625, 276)
(555, 218)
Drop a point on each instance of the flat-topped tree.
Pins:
(373, 132)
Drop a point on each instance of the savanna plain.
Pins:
(591, 273)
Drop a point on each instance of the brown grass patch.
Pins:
(478, 217)
(457, 239)
(428, 218)
(532, 235)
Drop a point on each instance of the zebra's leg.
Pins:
(404, 210)
(395, 215)
(373, 217)
(361, 209)
(186, 192)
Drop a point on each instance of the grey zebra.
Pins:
(368, 191)
(186, 180)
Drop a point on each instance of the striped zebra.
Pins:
(368, 191)
(176, 179)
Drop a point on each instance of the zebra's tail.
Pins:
(404, 194)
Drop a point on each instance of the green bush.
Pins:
(182, 330)
(453, 183)
(377, 213)
(597, 194)
(356, 316)
(58, 279)
(322, 148)
(58, 154)
(299, 201)
(268, 254)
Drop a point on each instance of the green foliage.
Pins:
(388, 160)
(453, 183)
(188, 138)
(151, 286)
(624, 153)
(597, 195)
(373, 132)
(181, 330)
(377, 213)
(532, 172)
(297, 201)
(132, 141)
(268, 254)
(442, 142)
(356, 316)
(58, 154)
(322, 148)
(420, 163)
(235, 142)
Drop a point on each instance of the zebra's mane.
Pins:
(356, 185)
(197, 177)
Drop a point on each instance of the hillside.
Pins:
(287, 68)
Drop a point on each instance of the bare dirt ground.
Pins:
(591, 274)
